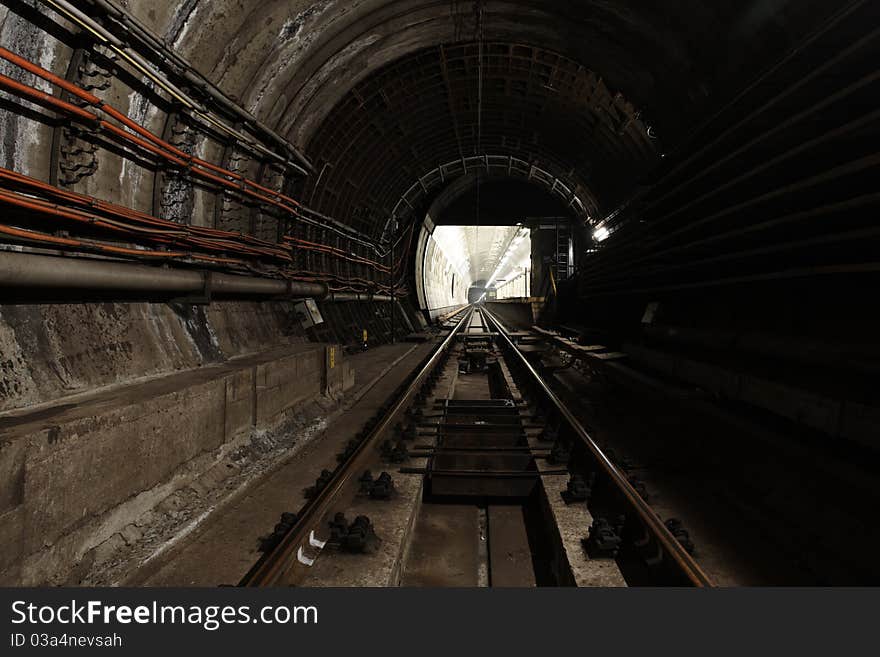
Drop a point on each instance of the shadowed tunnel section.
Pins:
(389, 102)
(690, 185)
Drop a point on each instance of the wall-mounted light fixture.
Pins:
(601, 234)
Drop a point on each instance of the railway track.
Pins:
(487, 479)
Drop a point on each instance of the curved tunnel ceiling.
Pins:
(383, 92)
(579, 98)
(428, 109)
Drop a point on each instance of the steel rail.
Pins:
(272, 567)
(649, 518)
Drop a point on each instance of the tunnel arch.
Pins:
(728, 149)
(503, 201)
(291, 62)
(537, 113)
(459, 176)
(637, 47)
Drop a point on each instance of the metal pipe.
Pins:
(162, 148)
(32, 271)
(158, 146)
(196, 110)
(152, 41)
(357, 296)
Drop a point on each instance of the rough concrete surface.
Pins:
(82, 470)
(54, 350)
(225, 544)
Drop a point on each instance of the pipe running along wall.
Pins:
(31, 271)
(152, 143)
(133, 31)
(60, 204)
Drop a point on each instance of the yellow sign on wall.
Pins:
(331, 357)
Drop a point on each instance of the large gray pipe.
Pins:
(357, 296)
(24, 270)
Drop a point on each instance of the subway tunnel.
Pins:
(239, 238)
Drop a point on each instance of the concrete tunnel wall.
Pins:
(74, 485)
(440, 286)
(287, 62)
(51, 351)
(82, 480)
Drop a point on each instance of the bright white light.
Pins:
(449, 240)
(601, 234)
(521, 234)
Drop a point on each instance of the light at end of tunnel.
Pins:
(520, 235)
(601, 234)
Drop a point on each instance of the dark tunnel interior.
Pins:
(229, 225)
